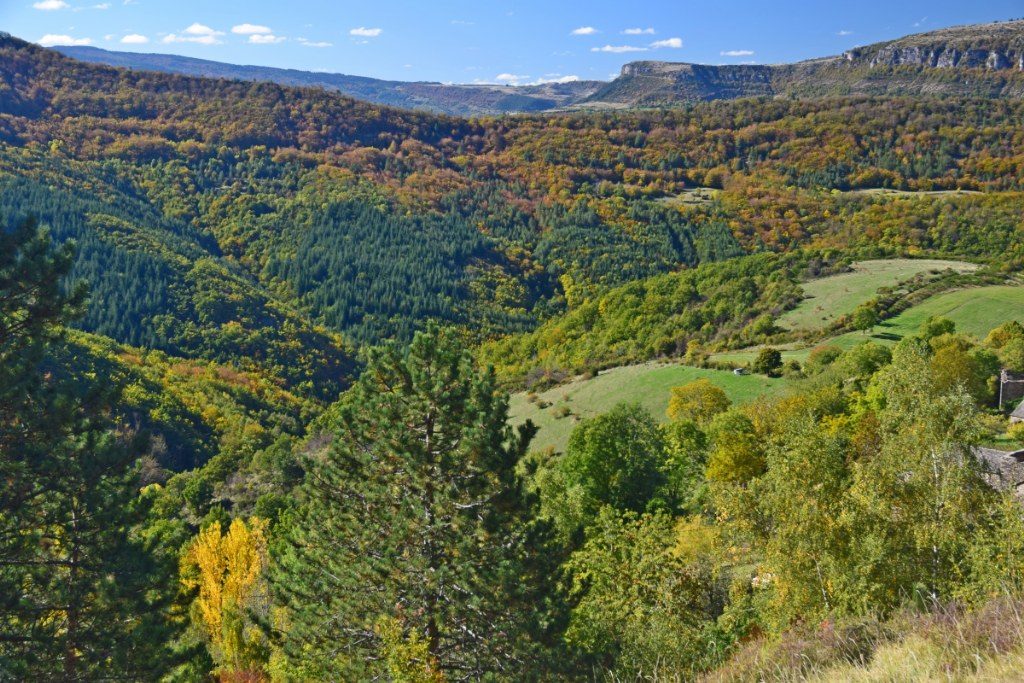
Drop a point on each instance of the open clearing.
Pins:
(837, 295)
(648, 384)
(693, 196)
(887, 192)
(975, 311)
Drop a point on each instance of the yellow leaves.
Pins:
(229, 572)
(407, 655)
(696, 539)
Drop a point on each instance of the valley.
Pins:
(688, 374)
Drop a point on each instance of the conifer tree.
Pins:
(77, 596)
(414, 516)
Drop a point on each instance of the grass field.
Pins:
(831, 297)
(887, 192)
(693, 196)
(648, 384)
(975, 311)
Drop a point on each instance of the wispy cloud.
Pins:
(639, 32)
(50, 5)
(250, 29)
(51, 39)
(314, 43)
(196, 33)
(736, 53)
(364, 32)
(920, 22)
(265, 39)
(618, 49)
(844, 32)
(517, 79)
(583, 31)
(135, 39)
(674, 43)
(555, 78)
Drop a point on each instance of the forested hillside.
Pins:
(255, 364)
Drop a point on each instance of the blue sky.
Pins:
(517, 41)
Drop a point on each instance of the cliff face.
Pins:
(647, 82)
(986, 46)
(990, 55)
(940, 57)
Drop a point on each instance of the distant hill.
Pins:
(458, 99)
(984, 60)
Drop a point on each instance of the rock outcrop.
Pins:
(991, 57)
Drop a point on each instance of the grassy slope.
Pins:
(975, 311)
(831, 297)
(648, 384)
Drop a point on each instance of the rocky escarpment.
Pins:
(990, 57)
(667, 82)
(994, 47)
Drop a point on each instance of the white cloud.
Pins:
(639, 32)
(584, 31)
(202, 30)
(314, 43)
(135, 39)
(674, 43)
(555, 78)
(102, 5)
(51, 39)
(518, 80)
(736, 53)
(366, 32)
(844, 32)
(50, 5)
(618, 49)
(196, 33)
(250, 29)
(265, 39)
(513, 79)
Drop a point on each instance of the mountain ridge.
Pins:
(463, 99)
(922, 64)
(918, 64)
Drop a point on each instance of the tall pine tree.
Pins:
(413, 516)
(78, 596)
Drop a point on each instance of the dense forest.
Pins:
(257, 344)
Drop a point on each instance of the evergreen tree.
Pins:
(77, 596)
(414, 514)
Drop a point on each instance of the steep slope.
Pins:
(445, 98)
(985, 60)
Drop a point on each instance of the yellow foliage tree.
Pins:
(699, 401)
(229, 571)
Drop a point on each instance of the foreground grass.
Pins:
(648, 384)
(831, 297)
(946, 643)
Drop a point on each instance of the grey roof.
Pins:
(1019, 412)
(1002, 469)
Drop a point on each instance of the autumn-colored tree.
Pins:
(228, 573)
(698, 401)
